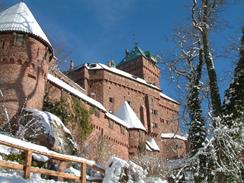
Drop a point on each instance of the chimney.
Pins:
(126, 52)
(71, 65)
(111, 63)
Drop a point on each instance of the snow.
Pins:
(155, 180)
(126, 114)
(119, 169)
(37, 148)
(5, 150)
(168, 98)
(39, 157)
(116, 119)
(47, 119)
(99, 66)
(75, 92)
(173, 136)
(152, 144)
(15, 177)
(72, 171)
(148, 148)
(20, 18)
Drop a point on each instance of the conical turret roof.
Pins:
(19, 18)
(126, 113)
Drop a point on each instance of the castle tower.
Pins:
(25, 53)
(136, 129)
(141, 64)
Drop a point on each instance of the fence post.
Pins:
(83, 172)
(27, 165)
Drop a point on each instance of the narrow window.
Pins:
(110, 124)
(19, 39)
(37, 53)
(111, 99)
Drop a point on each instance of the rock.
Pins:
(45, 129)
(121, 171)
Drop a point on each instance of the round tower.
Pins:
(25, 53)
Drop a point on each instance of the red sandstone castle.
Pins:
(130, 108)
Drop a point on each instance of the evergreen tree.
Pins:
(234, 97)
(197, 131)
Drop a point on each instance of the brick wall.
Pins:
(142, 68)
(158, 114)
(107, 135)
(23, 71)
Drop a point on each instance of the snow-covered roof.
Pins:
(126, 113)
(99, 66)
(148, 148)
(168, 98)
(172, 136)
(116, 119)
(20, 18)
(75, 92)
(152, 144)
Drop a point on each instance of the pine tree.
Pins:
(197, 131)
(234, 97)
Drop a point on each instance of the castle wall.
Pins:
(158, 114)
(142, 68)
(23, 72)
(107, 137)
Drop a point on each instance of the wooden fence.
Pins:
(28, 168)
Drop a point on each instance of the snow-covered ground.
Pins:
(11, 176)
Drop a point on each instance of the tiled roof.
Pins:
(19, 18)
(135, 53)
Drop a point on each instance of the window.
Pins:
(122, 130)
(161, 120)
(97, 113)
(48, 55)
(19, 39)
(155, 112)
(110, 124)
(154, 125)
(111, 99)
(3, 45)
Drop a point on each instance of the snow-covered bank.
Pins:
(15, 177)
(127, 171)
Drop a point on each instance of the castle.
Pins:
(130, 108)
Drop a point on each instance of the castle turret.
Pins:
(141, 64)
(25, 53)
(136, 129)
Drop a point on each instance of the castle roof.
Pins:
(135, 53)
(152, 145)
(168, 98)
(19, 18)
(173, 136)
(99, 66)
(74, 91)
(126, 113)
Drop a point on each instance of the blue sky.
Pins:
(100, 30)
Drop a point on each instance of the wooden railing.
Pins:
(28, 168)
